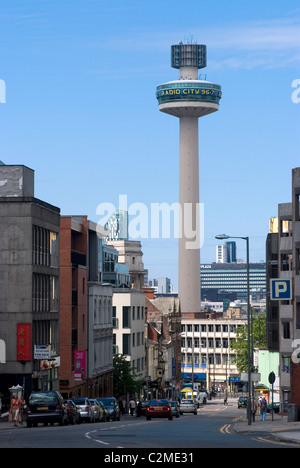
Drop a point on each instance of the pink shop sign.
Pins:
(80, 365)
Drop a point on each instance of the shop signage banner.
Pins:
(23, 342)
(80, 365)
(42, 352)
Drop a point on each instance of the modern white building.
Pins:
(221, 254)
(206, 354)
(129, 327)
(100, 333)
(160, 285)
(189, 98)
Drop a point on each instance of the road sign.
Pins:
(272, 378)
(281, 289)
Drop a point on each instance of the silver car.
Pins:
(188, 406)
(85, 409)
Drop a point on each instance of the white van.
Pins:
(202, 398)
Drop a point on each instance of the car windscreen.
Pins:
(79, 401)
(44, 397)
(108, 403)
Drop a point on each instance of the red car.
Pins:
(159, 409)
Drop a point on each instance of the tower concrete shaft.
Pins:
(189, 241)
(189, 98)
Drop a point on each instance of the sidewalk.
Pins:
(280, 429)
(5, 424)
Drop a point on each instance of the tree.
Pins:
(124, 380)
(240, 346)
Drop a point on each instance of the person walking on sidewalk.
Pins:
(22, 409)
(254, 409)
(263, 409)
(132, 406)
(15, 408)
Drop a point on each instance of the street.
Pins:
(213, 427)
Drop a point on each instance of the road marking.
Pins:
(114, 429)
(101, 442)
(225, 429)
(274, 442)
(238, 419)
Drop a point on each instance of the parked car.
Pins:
(142, 408)
(98, 411)
(84, 409)
(188, 406)
(46, 407)
(242, 402)
(276, 407)
(104, 409)
(112, 407)
(175, 408)
(159, 409)
(72, 412)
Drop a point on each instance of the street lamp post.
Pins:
(224, 237)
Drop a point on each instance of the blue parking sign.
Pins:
(281, 289)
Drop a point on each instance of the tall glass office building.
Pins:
(217, 279)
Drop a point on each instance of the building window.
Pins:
(45, 249)
(44, 293)
(126, 344)
(286, 330)
(298, 314)
(126, 317)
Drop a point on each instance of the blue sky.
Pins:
(81, 111)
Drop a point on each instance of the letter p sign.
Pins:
(281, 290)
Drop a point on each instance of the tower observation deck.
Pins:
(189, 98)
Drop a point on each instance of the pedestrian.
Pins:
(15, 408)
(120, 401)
(225, 401)
(254, 409)
(22, 409)
(132, 406)
(263, 409)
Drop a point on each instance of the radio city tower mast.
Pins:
(189, 98)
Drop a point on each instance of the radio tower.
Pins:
(189, 98)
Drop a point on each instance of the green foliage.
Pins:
(124, 380)
(240, 346)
